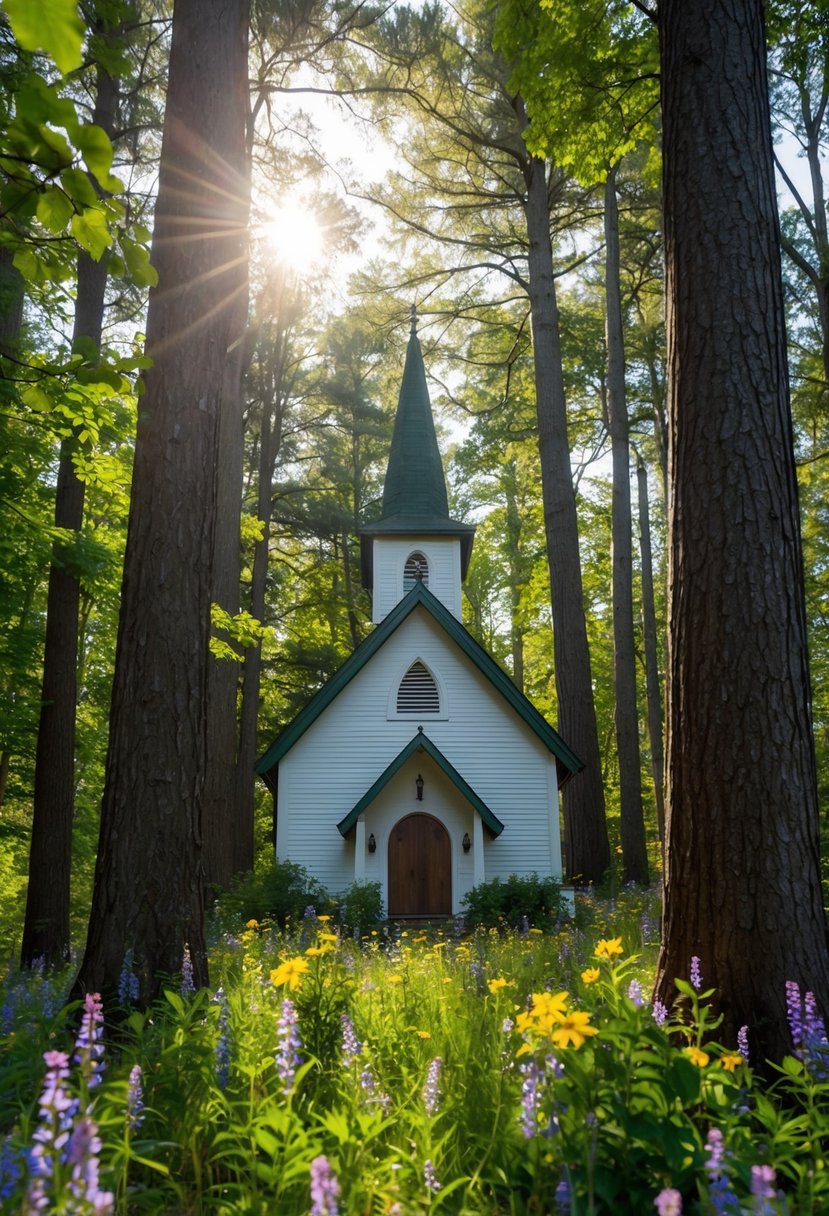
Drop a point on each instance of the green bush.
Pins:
(360, 906)
(515, 903)
(280, 893)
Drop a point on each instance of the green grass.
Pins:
(544, 1102)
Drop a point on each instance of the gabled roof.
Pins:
(421, 743)
(420, 596)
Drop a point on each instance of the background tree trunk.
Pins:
(587, 851)
(655, 717)
(634, 852)
(742, 888)
(148, 892)
(46, 923)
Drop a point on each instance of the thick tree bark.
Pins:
(742, 888)
(270, 439)
(587, 850)
(634, 851)
(148, 893)
(227, 828)
(654, 692)
(46, 922)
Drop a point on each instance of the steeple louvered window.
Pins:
(415, 570)
(418, 692)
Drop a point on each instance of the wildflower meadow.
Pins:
(409, 1071)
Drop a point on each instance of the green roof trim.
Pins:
(420, 596)
(415, 483)
(422, 743)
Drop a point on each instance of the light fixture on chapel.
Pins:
(419, 787)
(372, 844)
(466, 842)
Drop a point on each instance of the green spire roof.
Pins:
(415, 484)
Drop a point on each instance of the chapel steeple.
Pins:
(415, 484)
(415, 507)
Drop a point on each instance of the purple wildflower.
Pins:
(635, 994)
(723, 1200)
(507, 1026)
(129, 989)
(429, 1177)
(325, 1188)
(668, 1202)
(431, 1090)
(52, 1133)
(762, 1189)
(696, 976)
(188, 986)
(660, 1012)
(351, 1046)
(808, 1031)
(563, 1197)
(287, 1053)
(742, 1043)
(89, 1047)
(82, 1156)
(135, 1099)
(11, 1168)
(530, 1099)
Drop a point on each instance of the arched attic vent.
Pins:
(418, 692)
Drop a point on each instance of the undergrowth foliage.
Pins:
(410, 1072)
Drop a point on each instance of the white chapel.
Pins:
(419, 764)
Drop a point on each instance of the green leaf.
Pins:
(683, 1078)
(52, 26)
(77, 185)
(138, 263)
(96, 148)
(32, 267)
(54, 210)
(36, 399)
(90, 231)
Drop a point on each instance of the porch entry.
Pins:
(420, 868)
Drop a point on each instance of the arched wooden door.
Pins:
(420, 868)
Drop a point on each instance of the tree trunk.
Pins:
(148, 892)
(634, 851)
(742, 888)
(270, 436)
(228, 836)
(518, 573)
(46, 922)
(585, 831)
(655, 721)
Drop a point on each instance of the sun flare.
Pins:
(294, 235)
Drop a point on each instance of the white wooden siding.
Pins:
(350, 744)
(443, 553)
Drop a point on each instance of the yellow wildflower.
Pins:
(324, 918)
(537, 932)
(590, 975)
(574, 1028)
(496, 985)
(395, 979)
(252, 924)
(316, 951)
(328, 937)
(608, 947)
(697, 1056)
(731, 1060)
(423, 1034)
(290, 972)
